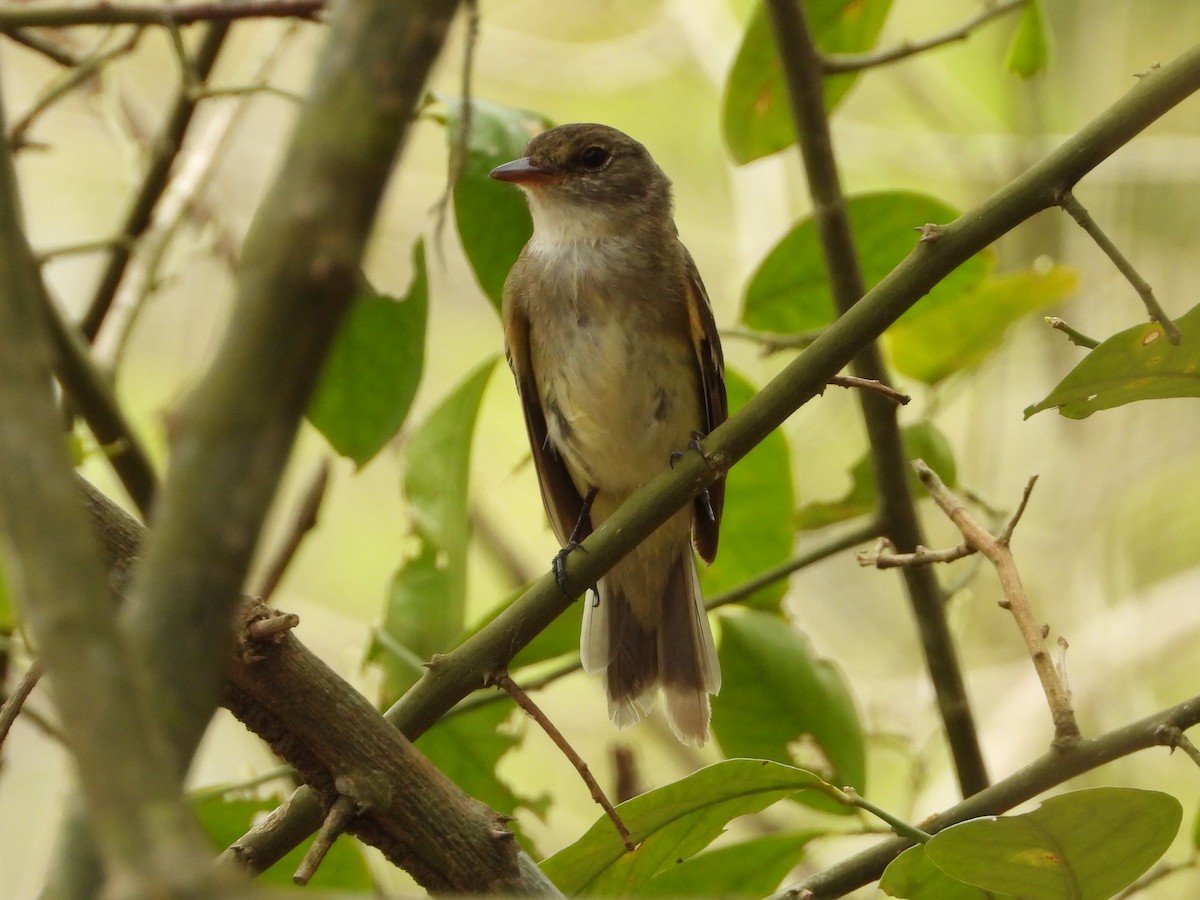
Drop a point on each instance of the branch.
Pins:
(464, 669)
(897, 509)
(1079, 213)
(107, 13)
(398, 801)
(301, 266)
(130, 785)
(158, 172)
(1053, 768)
(834, 63)
(998, 553)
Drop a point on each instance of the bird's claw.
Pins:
(558, 565)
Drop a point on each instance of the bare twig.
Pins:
(167, 147)
(38, 44)
(458, 153)
(774, 342)
(182, 201)
(14, 702)
(855, 62)
(70, 80)
(303, 521)
(884, 556)
(1075, 337)
(269, 628)
(996, 549)
(105, 13)
(340, 815)
(871, 384)
(524, 701)
(1080, 214)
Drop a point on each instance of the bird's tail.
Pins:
(642, 643)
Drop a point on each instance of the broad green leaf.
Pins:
(790, 292)
(426, 605)
(921, 441)
(753, 868)
(373, 370)
(946, 333)
(1085, 845)
(913, 876)
(671, 823)
(467, 747)
(757, 526)
(492, 219)
(342, 869)
(755, 110)
(1136, 364)
(1029, 52)
(777, 696)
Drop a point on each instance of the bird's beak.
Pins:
(522, 171)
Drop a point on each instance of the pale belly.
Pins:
(619, 400)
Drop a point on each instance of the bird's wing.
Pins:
(711, 366)
(559, 495)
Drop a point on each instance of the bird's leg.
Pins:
(559, 564)
(694, 444)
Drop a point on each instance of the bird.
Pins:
(611, 339)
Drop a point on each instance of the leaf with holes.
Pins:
(1136, 364)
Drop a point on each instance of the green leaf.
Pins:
(426, 606)
(373, 370)
(921, 441)
(671, 823)
(492, 218)
(755, 111)
(1085, 845)
(948, 332)
(756, 528)
(1136, 364)
(752, 868)
(1029, 52)
(790, 291)
(913, 876)
(778, 699)
(225, 820)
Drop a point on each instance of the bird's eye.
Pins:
(594, 158)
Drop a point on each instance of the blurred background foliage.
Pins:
(1107, 548)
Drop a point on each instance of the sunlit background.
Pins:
(1108, 548)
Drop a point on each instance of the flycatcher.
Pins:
(609, 333)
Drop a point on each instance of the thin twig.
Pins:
(461, 147)
(884, 556)
(871, 384)
(181, 202)
(773, 341)
(524, 701)
(99, 245)
(899, 826)
(1075, 337)
(15, 701)
(70, 80)
(1080, 214)
(107, 13)
(156, 179)
(1066, 730)
(834, 63)
(340, 815)
(38, 44)
(303, 521)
